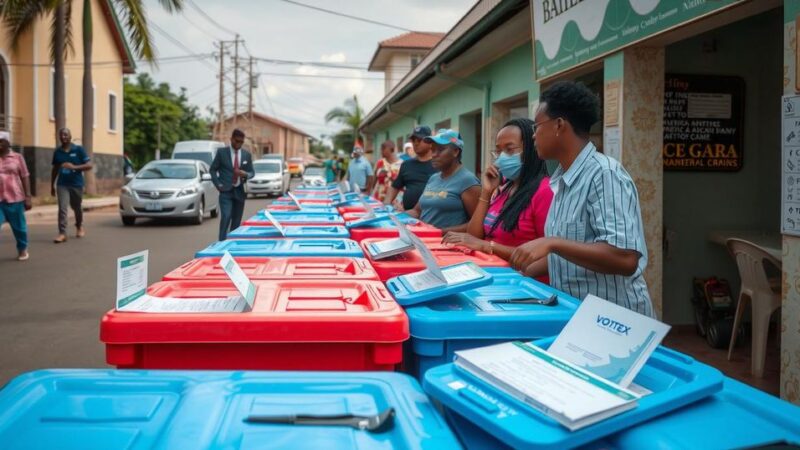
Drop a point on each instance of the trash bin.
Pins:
(284, 247)
(411, 261)
(299, 218)
(472, 319)
(263, 268)
(301, 231)
(294, 325)
(148, 409)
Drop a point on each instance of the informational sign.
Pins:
(612, 143)
(572, 32)
(790, 165)
(703, 122)
(131, 277)
(611, 100)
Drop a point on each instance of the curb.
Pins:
(51, 211)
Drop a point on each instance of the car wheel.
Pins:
(215, 212)
(128, 220)
(201, 211)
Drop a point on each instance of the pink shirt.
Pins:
(12, 170)
(531, 222)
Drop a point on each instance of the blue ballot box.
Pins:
(484, 316)
(256, 232)
(137, 409)
(491, 418)
(284, 247)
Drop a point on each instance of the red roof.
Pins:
(274, 120)
(413, 39)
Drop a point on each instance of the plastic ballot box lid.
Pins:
(288, 210)
(262, 268)
(411, 261)
(675, 381)
(291, 231)
(306, 206)
(148, 409)
(284, 247)
(402, 217)
(739, 416)
(284, 311)
(299, 218)
(318, 200)
(385, 229)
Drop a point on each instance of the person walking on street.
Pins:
(231, 167)
(15, 194)
(359, 172)
(386, 170)
(66, 183)
(414, 174)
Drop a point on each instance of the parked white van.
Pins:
(197, 150)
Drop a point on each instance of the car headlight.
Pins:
(187, 191)
(127, 191)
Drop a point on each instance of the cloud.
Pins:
(334, 58)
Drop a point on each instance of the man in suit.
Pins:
(232, 166)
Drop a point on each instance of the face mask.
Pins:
(509, 166)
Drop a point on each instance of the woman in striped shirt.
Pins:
(594, 238)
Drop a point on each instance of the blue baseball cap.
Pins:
(421, 132)
(445, 137)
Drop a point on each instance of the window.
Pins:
(443, 124)
(415, 60)
(112, 111)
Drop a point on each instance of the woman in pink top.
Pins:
(514, 212)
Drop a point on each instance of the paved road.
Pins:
(51, 305)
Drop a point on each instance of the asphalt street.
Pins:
(51, 305)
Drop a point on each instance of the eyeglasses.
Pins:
(537, 124)
(511, 151)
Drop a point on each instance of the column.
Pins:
(633, 134)
(790, 311)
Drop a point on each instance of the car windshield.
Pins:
(196, 156)
(267, 167)
(170, 171)
(313, 171)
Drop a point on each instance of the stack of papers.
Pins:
(584, 376)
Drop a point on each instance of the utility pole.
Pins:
(251, 85)
(235, 80)
(220, 130)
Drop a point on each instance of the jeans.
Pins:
(69, 196)
(14, 214)
(231, 208)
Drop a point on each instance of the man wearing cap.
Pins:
(414, 173)
(359, 171)
(15, 194)
(408, 152)
(66, 183)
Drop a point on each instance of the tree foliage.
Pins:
(349, 116)
(147, 104)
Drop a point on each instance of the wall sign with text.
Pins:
(703, 123)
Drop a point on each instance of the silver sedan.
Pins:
(170, 189)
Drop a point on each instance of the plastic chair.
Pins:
(757, 289)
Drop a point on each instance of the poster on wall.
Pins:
(790, 165)
(703, 123)
(571, 32)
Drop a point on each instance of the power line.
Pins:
(179, 44)
(336, 13)
(166, 59)
(199, 28)
(209, 18)
(309, 63)
(338, 77)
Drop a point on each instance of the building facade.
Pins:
(691, 94)
(266, 134)
(27, 103)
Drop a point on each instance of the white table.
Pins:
(771, 242)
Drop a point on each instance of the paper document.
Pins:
(149, 304)
(611, 341)
(574, 397)
(274, 222)
(295, 200)
(390, 247)
(243, 284)
(451, 275)
(427, 257)
(131, 277)
(367, 207)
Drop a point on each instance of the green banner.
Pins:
(572, 32)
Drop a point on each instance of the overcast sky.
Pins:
(278, 30)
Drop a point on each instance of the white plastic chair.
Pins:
(757, 289)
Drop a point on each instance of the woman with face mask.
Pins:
(515, 195)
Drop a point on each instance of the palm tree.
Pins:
(18, 16)
(349, 116)
(134, 20)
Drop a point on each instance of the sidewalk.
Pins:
(50, 212)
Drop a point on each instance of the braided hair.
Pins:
(531, 175)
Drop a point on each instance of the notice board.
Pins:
(790, 171)
(703, 123)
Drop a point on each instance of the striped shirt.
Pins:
(596, 201)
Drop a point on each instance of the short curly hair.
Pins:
(573, 102)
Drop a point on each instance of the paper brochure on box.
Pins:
(295, 200)
(275, 223)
